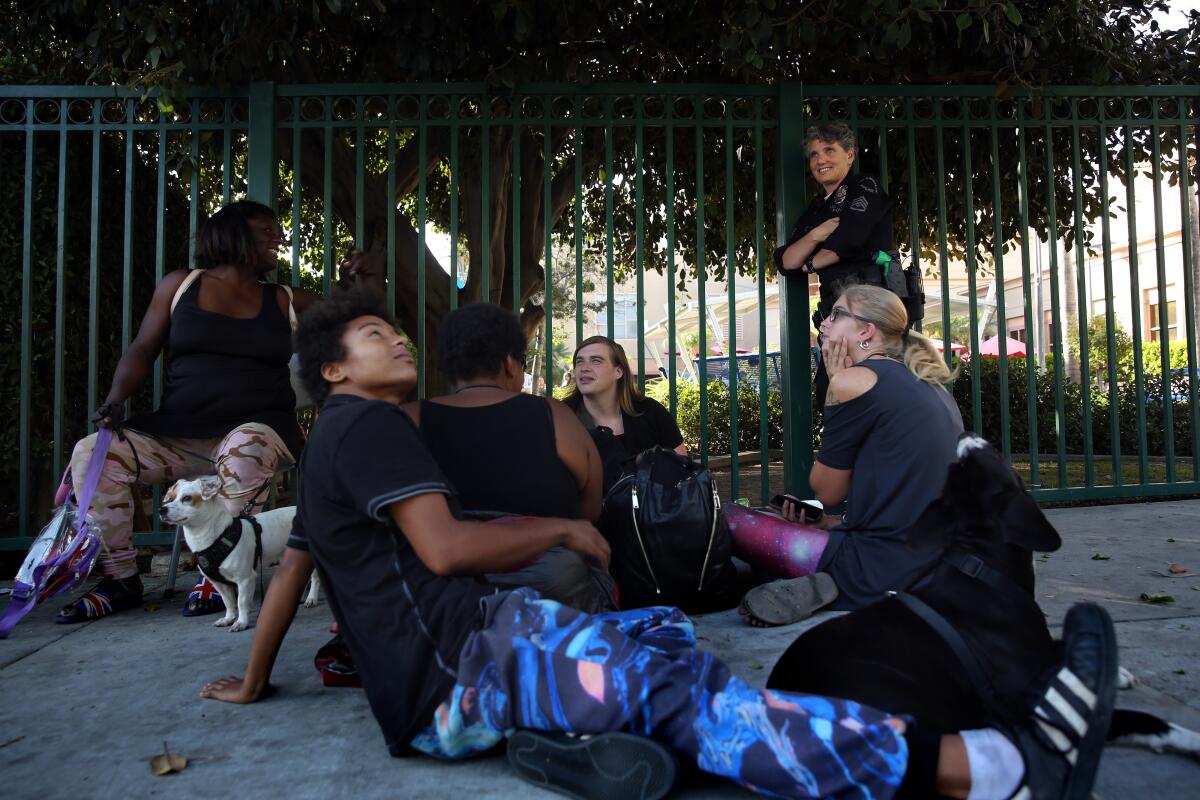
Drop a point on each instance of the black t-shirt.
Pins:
(653, 425)
(403, 624)
(865, 228)
(899, 438)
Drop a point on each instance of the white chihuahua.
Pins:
(228, 549)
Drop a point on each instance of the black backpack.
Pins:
(670, 542)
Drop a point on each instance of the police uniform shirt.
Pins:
(865, 227)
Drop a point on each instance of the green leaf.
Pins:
(1157, 599)
(1013, 15)
(963, 21)
(1100, 557)
(154, 54)
(905, 35)
(334, 5)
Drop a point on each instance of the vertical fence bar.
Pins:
(94, 262)
(1059, 353)
(26, 325)
(731, 306)
(943, 252)
(261, 169)
(795, 338)
(515, 264)
(159, 269)
(672, 343)
(914, 229)
(1001, 292)
(127, 238)
(578, 226)
(548, 251)
(1031, 354)
(327, 201)
(764, 408)
(297, 193)
(360, 176)
(1164, 319)
(1110, 360)
(639, 242)
(485, 193)
(1135, 294)
(1081, 267)
(608, 214)
(455, 101)
(60, 279)
(700, 269)
(226, 154)
(972, 299)
(1189, 288)
(421, 264)
(391, 210)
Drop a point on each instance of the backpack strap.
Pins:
(191, 278)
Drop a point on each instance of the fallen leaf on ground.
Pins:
(1157, 598)
(150, 608)
(1171, 540)
(1162, 574)
(1176, 569)
(1100, 557)
(167, 762)
(1181, 672)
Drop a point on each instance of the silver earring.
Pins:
(863, 344)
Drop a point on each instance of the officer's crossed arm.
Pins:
(861, 212)
(793, 256)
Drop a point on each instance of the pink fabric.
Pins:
(773, 545)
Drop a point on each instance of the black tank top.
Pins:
(223, 372)
(502, 457)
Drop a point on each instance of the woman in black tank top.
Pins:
(227, 406)
(508, 453)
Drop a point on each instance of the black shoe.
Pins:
(1062, 741)
(607, 766)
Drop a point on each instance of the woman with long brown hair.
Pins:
(608, 403)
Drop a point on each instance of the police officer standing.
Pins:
(841, 232)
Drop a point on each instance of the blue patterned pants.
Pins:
(540, 665)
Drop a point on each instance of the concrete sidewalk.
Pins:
(85, 707)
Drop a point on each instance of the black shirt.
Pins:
(865, 228)
(502, 457)
(652, 425)
(899, 438)
(224, 371)
(404, 625)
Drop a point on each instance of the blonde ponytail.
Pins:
(916, 350)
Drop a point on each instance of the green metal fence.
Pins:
(533, 186)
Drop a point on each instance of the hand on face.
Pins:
(835, 350)
(357, 266)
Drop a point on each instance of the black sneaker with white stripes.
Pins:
(606, 766)
(1062, 740)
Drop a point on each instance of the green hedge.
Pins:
(1129, 402)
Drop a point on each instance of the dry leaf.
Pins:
(1176, 569)
(167, 762)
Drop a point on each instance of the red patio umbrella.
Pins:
(991, 347)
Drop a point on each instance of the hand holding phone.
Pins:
(794, 509)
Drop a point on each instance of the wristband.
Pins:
(808, 266)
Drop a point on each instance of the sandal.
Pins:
(107, 597)
(204, 600)
(786, 601)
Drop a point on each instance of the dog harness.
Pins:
(211, 557)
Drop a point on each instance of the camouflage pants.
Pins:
(243, 459)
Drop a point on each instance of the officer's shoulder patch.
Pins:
(869, 185)
(859, 204)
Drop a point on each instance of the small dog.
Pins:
(987, 527)
(214, 534)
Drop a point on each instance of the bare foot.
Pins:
(230, 690)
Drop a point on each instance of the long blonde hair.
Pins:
(627, 392)
(886, 312)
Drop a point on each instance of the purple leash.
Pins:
(85, 544)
